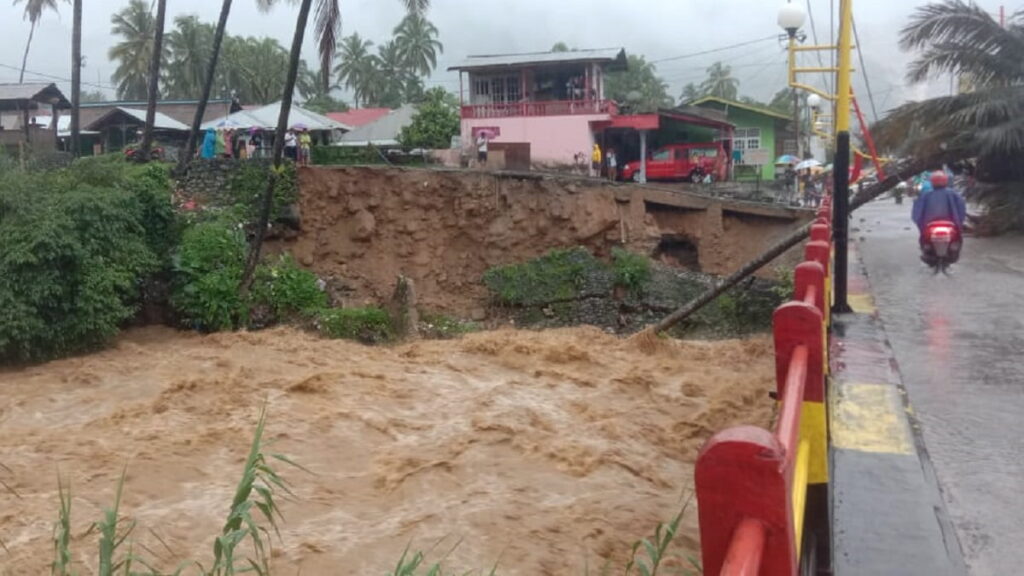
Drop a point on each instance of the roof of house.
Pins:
(142, 103)
(160, 122)
(382, 131)
(266, 117)
(726, 103)
(37, 91)
(615, 57)
(357, 117)
(63, 124)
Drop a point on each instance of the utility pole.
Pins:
(796, 93)
(841, 196)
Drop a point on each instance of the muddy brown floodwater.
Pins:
(545, 452)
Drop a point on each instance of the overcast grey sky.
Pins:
(657, 29)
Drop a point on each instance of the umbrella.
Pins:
(807, 164)
(489, 134)
(786, 159)
(228, 123)
(299, 126)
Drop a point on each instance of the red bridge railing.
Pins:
(762, 494)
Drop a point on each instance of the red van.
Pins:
(682, 162)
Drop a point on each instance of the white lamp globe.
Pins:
(814, 101)
(791, 17)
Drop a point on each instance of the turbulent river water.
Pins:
(541, 452)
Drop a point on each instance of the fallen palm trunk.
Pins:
(900, 172)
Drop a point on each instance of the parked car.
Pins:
(690, 162)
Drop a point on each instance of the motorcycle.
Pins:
(940, 245)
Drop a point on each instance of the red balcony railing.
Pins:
(549, 108)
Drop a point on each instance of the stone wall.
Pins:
(209, 179)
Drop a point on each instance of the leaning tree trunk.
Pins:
(282, 127)
(24, 59)
(211, 72)
(154, 82)
(76, 75)
(899, 173)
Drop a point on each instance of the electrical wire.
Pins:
(58, 78)
(713, 50)
(864, 70)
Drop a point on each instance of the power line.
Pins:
(713, 50)
(864, 70)
(58, 78)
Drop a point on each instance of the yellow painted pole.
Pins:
(843, 76)
(841, 164)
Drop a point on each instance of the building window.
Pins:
(497, 89)
(747, 139)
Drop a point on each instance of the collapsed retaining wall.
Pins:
(362, 226)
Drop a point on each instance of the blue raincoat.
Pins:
(209, 144)
(939, 204)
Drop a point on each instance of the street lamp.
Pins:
(814, 101)
(791, 18)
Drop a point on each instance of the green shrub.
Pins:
(249, 182)
(368, 325)
(207, 271)
(287, 291)
(632, 271)
(555, 276)
(72, 261)
(441, 326)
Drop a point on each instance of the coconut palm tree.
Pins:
(981, 123)
(207, 86)
(354, 63)
(154, 81)
(690, 93)
(416, 39)
(416, 6)
(76, 74)
(189, 52)
(33, 13)
(720, 82)
(136, 27)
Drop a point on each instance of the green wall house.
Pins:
(767, 131)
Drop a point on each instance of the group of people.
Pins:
(611, 162)
(805, 187)
(231, 143)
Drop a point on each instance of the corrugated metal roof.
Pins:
(383, 131)
(31, 90)
(266, 118)
(616, 56)
(357, 117)
(726, 103)
(160, 122)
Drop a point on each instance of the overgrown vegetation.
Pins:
(632, 270)
(76, 249)
(553, 277)
(368, 325)
(442, 326)
(435, 122)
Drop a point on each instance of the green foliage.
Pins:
(632, 271)
(441, 326)
(207, 271)
(656, 551)
(360, 155)
(720, 82)
(642, 78)
(435, 122)
(61, 565)
(112, 539)
(555, 276)
(287, 291)
(368, 325)
(74, 256)
(249, 181)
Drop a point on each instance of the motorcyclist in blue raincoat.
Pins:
(941, 203)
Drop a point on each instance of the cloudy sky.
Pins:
(657, 29)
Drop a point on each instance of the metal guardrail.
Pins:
(753, 485)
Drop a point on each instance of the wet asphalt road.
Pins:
(959, 342)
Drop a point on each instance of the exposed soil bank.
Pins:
(540, 450)
(362, 226)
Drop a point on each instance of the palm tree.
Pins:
(416, 6)
(354, 63)
(189, 52)
(207, 87)
(76, 74)
(136, 26)
(690, 93)
(960, 38)
(254, 68)
(720, 82)
(33, 12)
(417, 42)
(154, 81)
(560, 47)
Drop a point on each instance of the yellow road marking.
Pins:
(869, 418)
(861, 303)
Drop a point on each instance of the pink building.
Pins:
(552, 102)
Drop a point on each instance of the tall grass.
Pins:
(62, 531)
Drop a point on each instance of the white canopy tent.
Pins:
(265, 118)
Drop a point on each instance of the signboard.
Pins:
(757, 156)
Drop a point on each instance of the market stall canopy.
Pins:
(266, 118)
